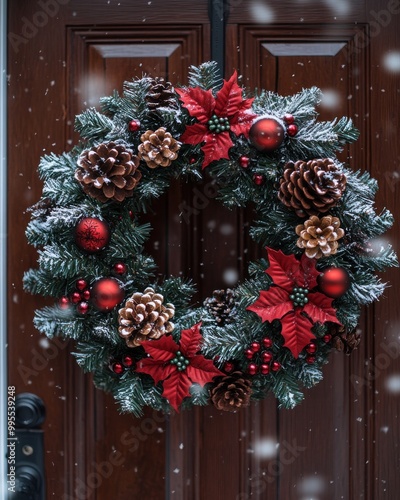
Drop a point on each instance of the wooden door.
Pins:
(342, 442)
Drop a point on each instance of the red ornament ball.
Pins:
(192, 160)
(63, 303)
(311, 348)
(249, 353)
(106, 294)
(288, 118)
(134, 125)
(255, 346)
(258, 179)
(81, 284)
(228, 367)
(244, 161)
(92, 234)
(82, 307)
(276, 366)
(327, 338)
(120, 268)
(85, 294)
(127, 361)
(252, 369)
(310, 360)
(266, 357)
(75, 297)
(267, 342)
(292, 130)
(334, 282)
(265, 369)
(267, 134)
(117, 368)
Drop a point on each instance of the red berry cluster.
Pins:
(119, 366)
(291, 127)
(78, 297)
(261, 359)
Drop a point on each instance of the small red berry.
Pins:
(265, 369)
(310, 359)
(82, 307)
(117, 368)
(81, 284)
(276, 366)
(127, 361)
(267, 342)
(134, 125)
(249, 353)
(244, 161)
(327, 338)
(75, 297)
(266, 357)
(311, 348)
(120, 268)
(258, 179)
(252, 369)
(229, 367)
(86, 294)
(63, 302)
(288, 118)
(255, 346)
(292, 130)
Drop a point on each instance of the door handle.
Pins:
(29, 452)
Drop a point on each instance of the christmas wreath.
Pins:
(273, 332)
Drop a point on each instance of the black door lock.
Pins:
(29, 450)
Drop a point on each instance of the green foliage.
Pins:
(206, 76)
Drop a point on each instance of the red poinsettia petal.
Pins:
(272, 304)
(319, 308)
(158, 370)
(283, 269)
(216, 146)
(308, 273)
(190, 340)
(296, 330)
(241, 123)
(195, 134)
(200, 103)
(176, 388)
(202, 370)
(229, 98)
(163, 349)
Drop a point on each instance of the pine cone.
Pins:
(319, 236)
(108, 172)
(232, 392)
(160, 94)
(159, 148)
(311, 187)
(344, 340)
(145, 317)
(220, 305)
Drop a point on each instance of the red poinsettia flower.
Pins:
(290, 301)
(217, 117)
(178, 366)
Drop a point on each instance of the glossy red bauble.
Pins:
(134, 125)
(334, 282)
(267, 134)
(85, 294)
(75, 297)
(228, 367)
(106, 294)
(310, 360)
(92, 234)
(327, 338)
(311, 348)
(255, 346)
(63, 303)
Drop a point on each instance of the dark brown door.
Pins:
(342, 442)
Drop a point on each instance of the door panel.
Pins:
(342, 441)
